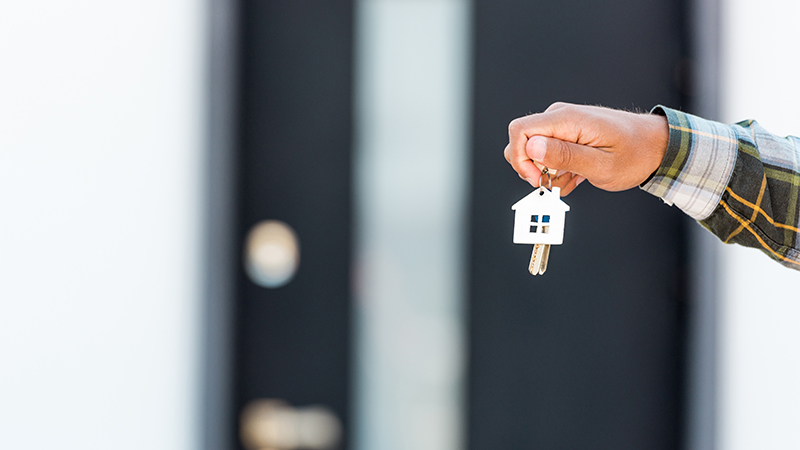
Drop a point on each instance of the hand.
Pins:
(614, 150)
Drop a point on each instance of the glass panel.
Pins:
(411, 119)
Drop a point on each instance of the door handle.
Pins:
(271, 424)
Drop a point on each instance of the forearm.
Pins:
(741, 182)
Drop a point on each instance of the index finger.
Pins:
(534, 180)
(519, 131)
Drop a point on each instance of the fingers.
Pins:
(567, 181)
(570, 186)
(560, 121)
(515, 154)
(526, 169)
(552, 123)
(565, 156)
(549, 140)
(561, 180)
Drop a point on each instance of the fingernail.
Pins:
(580, 180)
(538, 147)
(530, 181)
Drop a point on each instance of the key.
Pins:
(534, 267)
(539, 257)
(541, 252)
(539, 220)
(536, 260)
(545, 257)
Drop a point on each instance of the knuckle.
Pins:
(563, 107)
(514, 127)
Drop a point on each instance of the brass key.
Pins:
(539, 257)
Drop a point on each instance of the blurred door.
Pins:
(292, 328)
(589, 355)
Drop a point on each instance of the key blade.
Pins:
(544, 258)
(536, 259)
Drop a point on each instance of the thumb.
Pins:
(562, 155)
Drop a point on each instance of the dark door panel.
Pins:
(294, 159)
(589, 355)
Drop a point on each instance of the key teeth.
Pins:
(535, 265)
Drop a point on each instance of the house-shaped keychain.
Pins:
(539, 217)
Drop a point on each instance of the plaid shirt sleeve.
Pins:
(739, 181)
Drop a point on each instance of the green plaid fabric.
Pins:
(740, 181)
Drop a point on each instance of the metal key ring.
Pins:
(546, 171)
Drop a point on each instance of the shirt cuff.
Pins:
(697, 165)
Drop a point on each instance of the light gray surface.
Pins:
(701, 389)
(219, 254)
(706, 34)
(410, 169)
(702, 346)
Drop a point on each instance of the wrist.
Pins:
(655, 140)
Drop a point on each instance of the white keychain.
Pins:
(539, 220)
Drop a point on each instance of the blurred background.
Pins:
(286, 224)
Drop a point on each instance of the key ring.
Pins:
(546, 171)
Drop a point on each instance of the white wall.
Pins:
(100, 158)
(759, 390)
